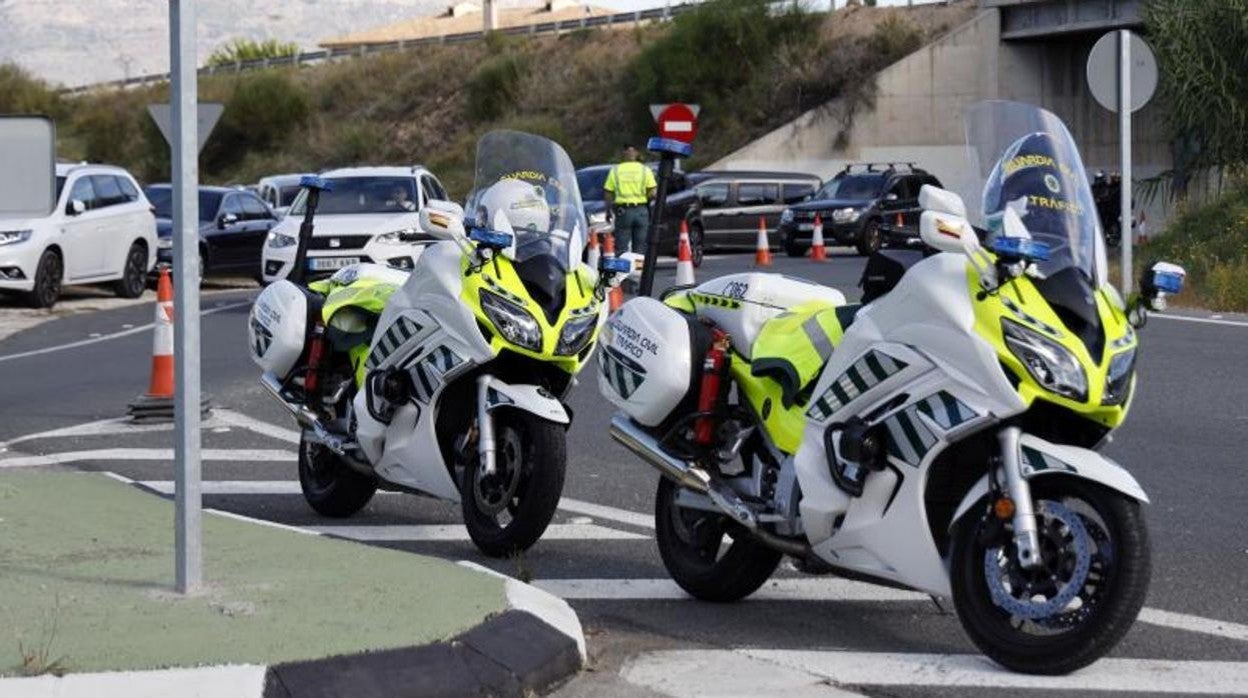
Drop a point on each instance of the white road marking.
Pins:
(263, 522)
(1195, 624)
(258, 426)
(231, 681)
(788, 589)
(602, 511)
(105, 427)
(1206, 320)
(148, 454)
(722, 674)
(460, 533)
(902, 669)
(113, 335)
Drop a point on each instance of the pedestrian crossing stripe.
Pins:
(623, 374)
(396, 336)
(867, 372)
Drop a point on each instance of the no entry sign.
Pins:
(677, 122)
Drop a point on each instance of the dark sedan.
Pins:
(233, 225)
(682, 205)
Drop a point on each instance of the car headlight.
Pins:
(516, 324)
(845, 215)
(1051, 364)
(576, 335)
(279, 240)
(395, 237)
(13, 237)
(1118, 381)
(787, 216)
(164, 243)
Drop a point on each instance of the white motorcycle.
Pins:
(941, 438)
(448, 382)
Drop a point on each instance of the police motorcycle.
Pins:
(447, 382)
(943, 438)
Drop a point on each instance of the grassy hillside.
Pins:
(1211, 241)
(752, 69)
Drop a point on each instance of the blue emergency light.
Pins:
(316, 182)
(669, 145)
(1167, 281)
(615, 265)
(490, 238)
(1021, 248)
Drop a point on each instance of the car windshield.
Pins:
(526, 185)
(590, 182)
(286, 195)
(162, 202)
(1024, 158)
(352, 195)
(853, 186)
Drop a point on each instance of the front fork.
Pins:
(485, 426)
(1026, 536)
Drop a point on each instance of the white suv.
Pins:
(370, 215)
(102, 229)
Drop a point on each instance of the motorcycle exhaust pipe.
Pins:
(307, 418)
(686, 474)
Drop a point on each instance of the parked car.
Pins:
(682, 205)
(279, 191)
(102, 229)
(370, 215)
(732, 203)
(865, 205)
(233, 225)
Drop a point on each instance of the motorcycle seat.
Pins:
(792, 348)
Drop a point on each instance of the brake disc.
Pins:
(1066, 559)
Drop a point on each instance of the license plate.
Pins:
(805, 226)
(331, 263)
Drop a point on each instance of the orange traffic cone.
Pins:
(684, 258)
(818, 252)
(615, 297)
(762, 256)
(901, 222)
(156, 405)
(594, 254)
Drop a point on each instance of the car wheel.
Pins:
(869, 239)
(793, 248)
(697, 244)
(134, 274)
(47, 281)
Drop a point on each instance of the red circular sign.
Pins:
(678, 122)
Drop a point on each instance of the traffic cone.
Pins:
(156, 405)
(762, 256)
(592, 258)
(684, 258)
(901, 222)
(818, 252)
(615, 297)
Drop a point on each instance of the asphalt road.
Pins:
(1184, 441)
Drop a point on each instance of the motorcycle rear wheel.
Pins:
(508, 512)
(691, 543)
(1105, 603)
(330, 486)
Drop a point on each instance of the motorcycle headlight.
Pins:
(1118, 382)
(787, 216)
(394, 237)
(12, 237)
(1052, 365)
(516, 324)
(279, 240)
(845, 215)
(576, 335)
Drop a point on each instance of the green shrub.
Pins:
(262, 110)
(241, 50)
(494, 86)
(894, 38)
(22, 94)
(1210, 241)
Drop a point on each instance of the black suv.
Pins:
(865, 205)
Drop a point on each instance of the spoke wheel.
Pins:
(869, 240)
(48, 277)
(708, 556)
(134, 274)
(1077, 603)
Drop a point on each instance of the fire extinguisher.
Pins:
(714, 387)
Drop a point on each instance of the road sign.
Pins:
(27, 166)
(677, 122)
(1103, 72)
(209, 113)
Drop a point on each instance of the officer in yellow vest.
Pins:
(629, 187)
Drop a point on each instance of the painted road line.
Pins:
(1195, 624)
(800, 589)
(262, 522)
(1203, 320)
(259, 426)
(233, 681)
(970, 670)
(106, 427)
(460, 533)
(722, 674)
(602, 511)
(248, 455)
(112, 335)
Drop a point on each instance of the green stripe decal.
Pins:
(840, 394)
(856, 379)
(874, 364)
(916, 442)
(951, 406)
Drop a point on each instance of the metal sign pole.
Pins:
(1124, 130)
(184, 100)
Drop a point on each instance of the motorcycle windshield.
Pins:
(1023, 157)
(526, 185)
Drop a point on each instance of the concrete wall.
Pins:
(917, 112)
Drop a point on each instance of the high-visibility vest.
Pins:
(629, 182)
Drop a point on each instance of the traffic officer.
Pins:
(629, 187)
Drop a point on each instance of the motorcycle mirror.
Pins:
(933, 198)
(947, 233)
(444, 220)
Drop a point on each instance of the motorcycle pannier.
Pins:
(277, 326)
(651, 361)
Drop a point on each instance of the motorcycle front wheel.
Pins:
(330, 486)
(508, 511)
(1078, 603)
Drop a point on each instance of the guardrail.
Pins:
(636, 18)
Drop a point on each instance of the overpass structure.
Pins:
(1031, 51)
